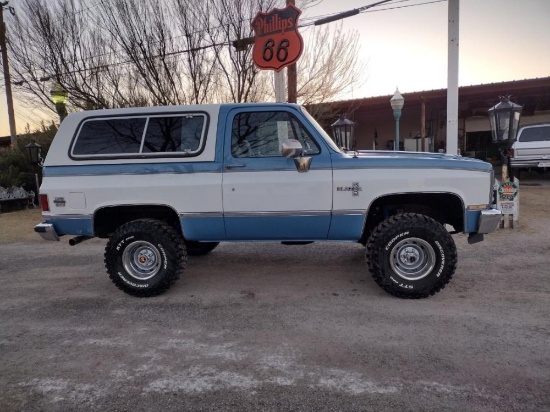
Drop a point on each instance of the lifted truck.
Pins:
(162, 183)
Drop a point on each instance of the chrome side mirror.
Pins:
(293, 148)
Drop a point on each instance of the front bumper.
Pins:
(489, 220)
(47, 231)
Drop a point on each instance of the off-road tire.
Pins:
(411, 256)
(145, 257)
(199, 248)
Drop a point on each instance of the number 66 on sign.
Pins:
(277, 43)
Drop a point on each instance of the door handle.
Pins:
(235, 165)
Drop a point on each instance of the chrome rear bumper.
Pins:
(47, 231)
(489, 220)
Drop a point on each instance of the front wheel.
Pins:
(145, 257)
(411, 256)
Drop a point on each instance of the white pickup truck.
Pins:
(164, 182)
(531, 150)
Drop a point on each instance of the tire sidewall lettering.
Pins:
(395, 239)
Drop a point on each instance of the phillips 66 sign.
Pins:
(277, 42)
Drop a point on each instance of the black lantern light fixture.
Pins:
(34, 154)
(344, 133)
(59, 97)
(504, 118)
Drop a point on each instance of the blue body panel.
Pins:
(278, 228)
(204, 228)
(346, 227)
(73, 226)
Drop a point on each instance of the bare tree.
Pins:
(123, 53)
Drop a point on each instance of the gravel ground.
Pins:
(270, 327)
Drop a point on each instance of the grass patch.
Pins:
(18, 226)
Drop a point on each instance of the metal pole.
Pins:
(292, 74)
(7, 78)
(396, 115)
(37, 189)
(423, 125)
(280, 89)
(452, 77)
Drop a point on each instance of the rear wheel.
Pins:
(411, 256)
(145, 257)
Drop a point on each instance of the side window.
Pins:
(173, 134)
(536, 134)
(113, 136)
(181, 134)
(261, 134)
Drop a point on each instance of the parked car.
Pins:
(164, 182)
(532, 148)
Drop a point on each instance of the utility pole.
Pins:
(292, 74)
(452, 77)
(7, 78)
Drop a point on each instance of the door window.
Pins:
(261, 134)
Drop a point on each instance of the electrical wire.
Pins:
(360, 10)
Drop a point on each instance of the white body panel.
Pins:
(375, 183)
(191, 193)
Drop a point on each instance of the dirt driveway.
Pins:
(269, 327)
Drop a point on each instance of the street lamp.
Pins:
(59, 97)
(504, 117)
(34, 156)
(344, 133)
(397, 102)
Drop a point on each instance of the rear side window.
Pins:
(113, 136)
(535, 134)
(145, 135)
(173, 134)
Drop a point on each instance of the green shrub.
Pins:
(15, 169)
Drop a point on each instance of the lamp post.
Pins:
(504, 117)
(59, 97)
(397, 102)
(344, 133)
(34, 157)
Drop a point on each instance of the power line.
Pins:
(324, 19)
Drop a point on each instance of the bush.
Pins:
(15, 169)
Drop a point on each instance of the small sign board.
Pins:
(508, 198)
(277, 42)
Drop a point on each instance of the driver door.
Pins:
(264, 195)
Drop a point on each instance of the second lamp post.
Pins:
(397, 102)
(59, 98)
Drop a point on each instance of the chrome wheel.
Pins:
(412, 258)
(141, 260)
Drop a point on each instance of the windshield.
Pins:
(324, 134)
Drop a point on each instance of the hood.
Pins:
(405, 160)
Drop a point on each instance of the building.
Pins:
(376, 124)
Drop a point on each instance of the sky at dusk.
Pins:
(500, 40)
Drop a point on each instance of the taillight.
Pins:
(44, 203)
(511, 152)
